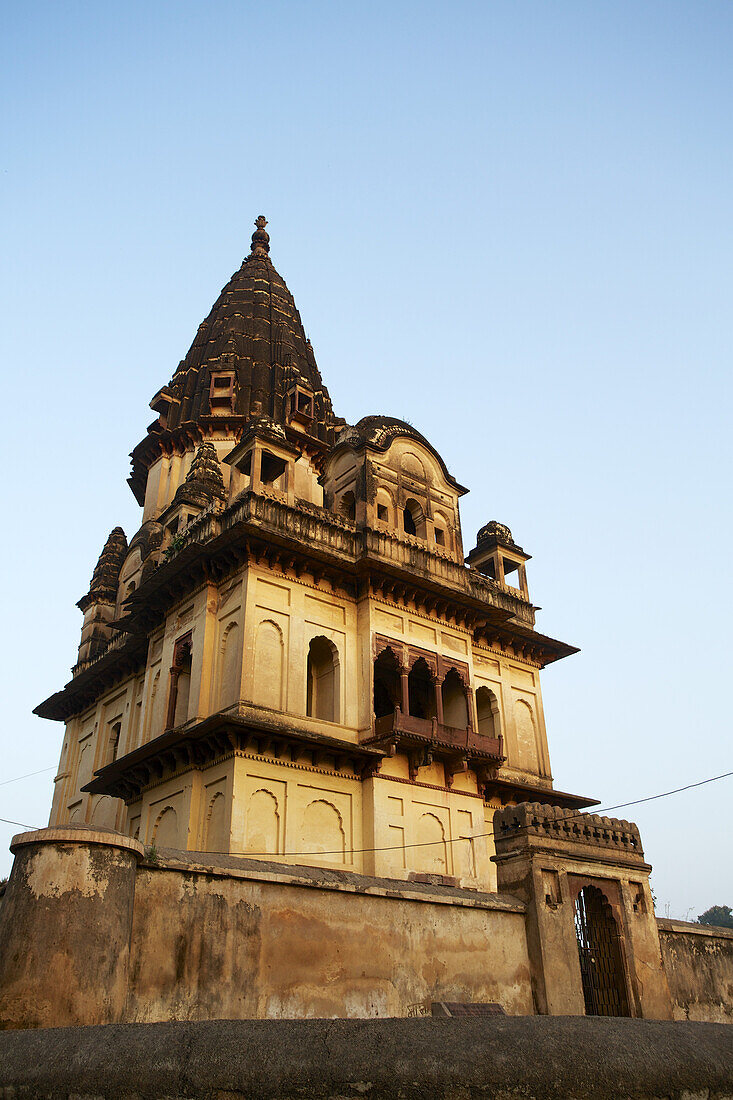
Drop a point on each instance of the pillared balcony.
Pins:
(425, 738)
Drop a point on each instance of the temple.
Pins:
(305, 746)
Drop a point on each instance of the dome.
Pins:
(380, 431)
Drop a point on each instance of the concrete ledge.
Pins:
(77, 834)
(532, 1058)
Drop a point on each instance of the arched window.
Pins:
(114, 741)
(455, 711)
(322, 680)
(387, 684)
(421, 690)
(413, 518)
(180, 683)
(347, 506)
(487, 712)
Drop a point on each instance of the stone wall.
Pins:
(233, 941)
(225, 937)
(698, 960)
(535, 1058)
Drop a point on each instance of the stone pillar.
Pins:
(438, 682)
(546, 855)
(65, 925)
(405, 682)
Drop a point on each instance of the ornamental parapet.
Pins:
(535, 819)
(328, 535)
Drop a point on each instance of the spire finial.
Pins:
(260, 239)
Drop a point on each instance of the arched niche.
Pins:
(230, 665)
(384, 506)
(432, 850)
(217, 839)
(441, 531)
(412, 465)
(526, 734)
(323, 832)
(267, 688)
(262, 835)
(165, 832)
(322, 680)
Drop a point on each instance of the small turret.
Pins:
(98, 604)
(497, 556)
(204, 481)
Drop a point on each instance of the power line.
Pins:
(478, 836)
(17, 779)
(453, 840)
(22, 824)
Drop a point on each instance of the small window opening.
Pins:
(455, 711)
(488, 568)
(299, 406)
(180, 683)
(221, 391)
(421, 690)
(387, 684)
(347, 506)
(304, 403)
(322, 682)
(413, 519)
(511, 574)
(382, 512)
(487, 712)
(272, 468)
(114, 741)
(439, 537)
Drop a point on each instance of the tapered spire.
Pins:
(106, 575)
(204, 481)
(247, 357)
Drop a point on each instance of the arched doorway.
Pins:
(599, 949)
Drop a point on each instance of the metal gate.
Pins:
(601, 965)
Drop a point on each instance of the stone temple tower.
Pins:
(290, 659)
(305, 769)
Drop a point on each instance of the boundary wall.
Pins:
(698, 960)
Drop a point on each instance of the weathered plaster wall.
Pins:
(65, 929)
(699, 963)
(494, 1059)
(225, 941)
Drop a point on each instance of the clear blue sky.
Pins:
(510, 223)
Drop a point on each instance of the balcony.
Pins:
(425, 738)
